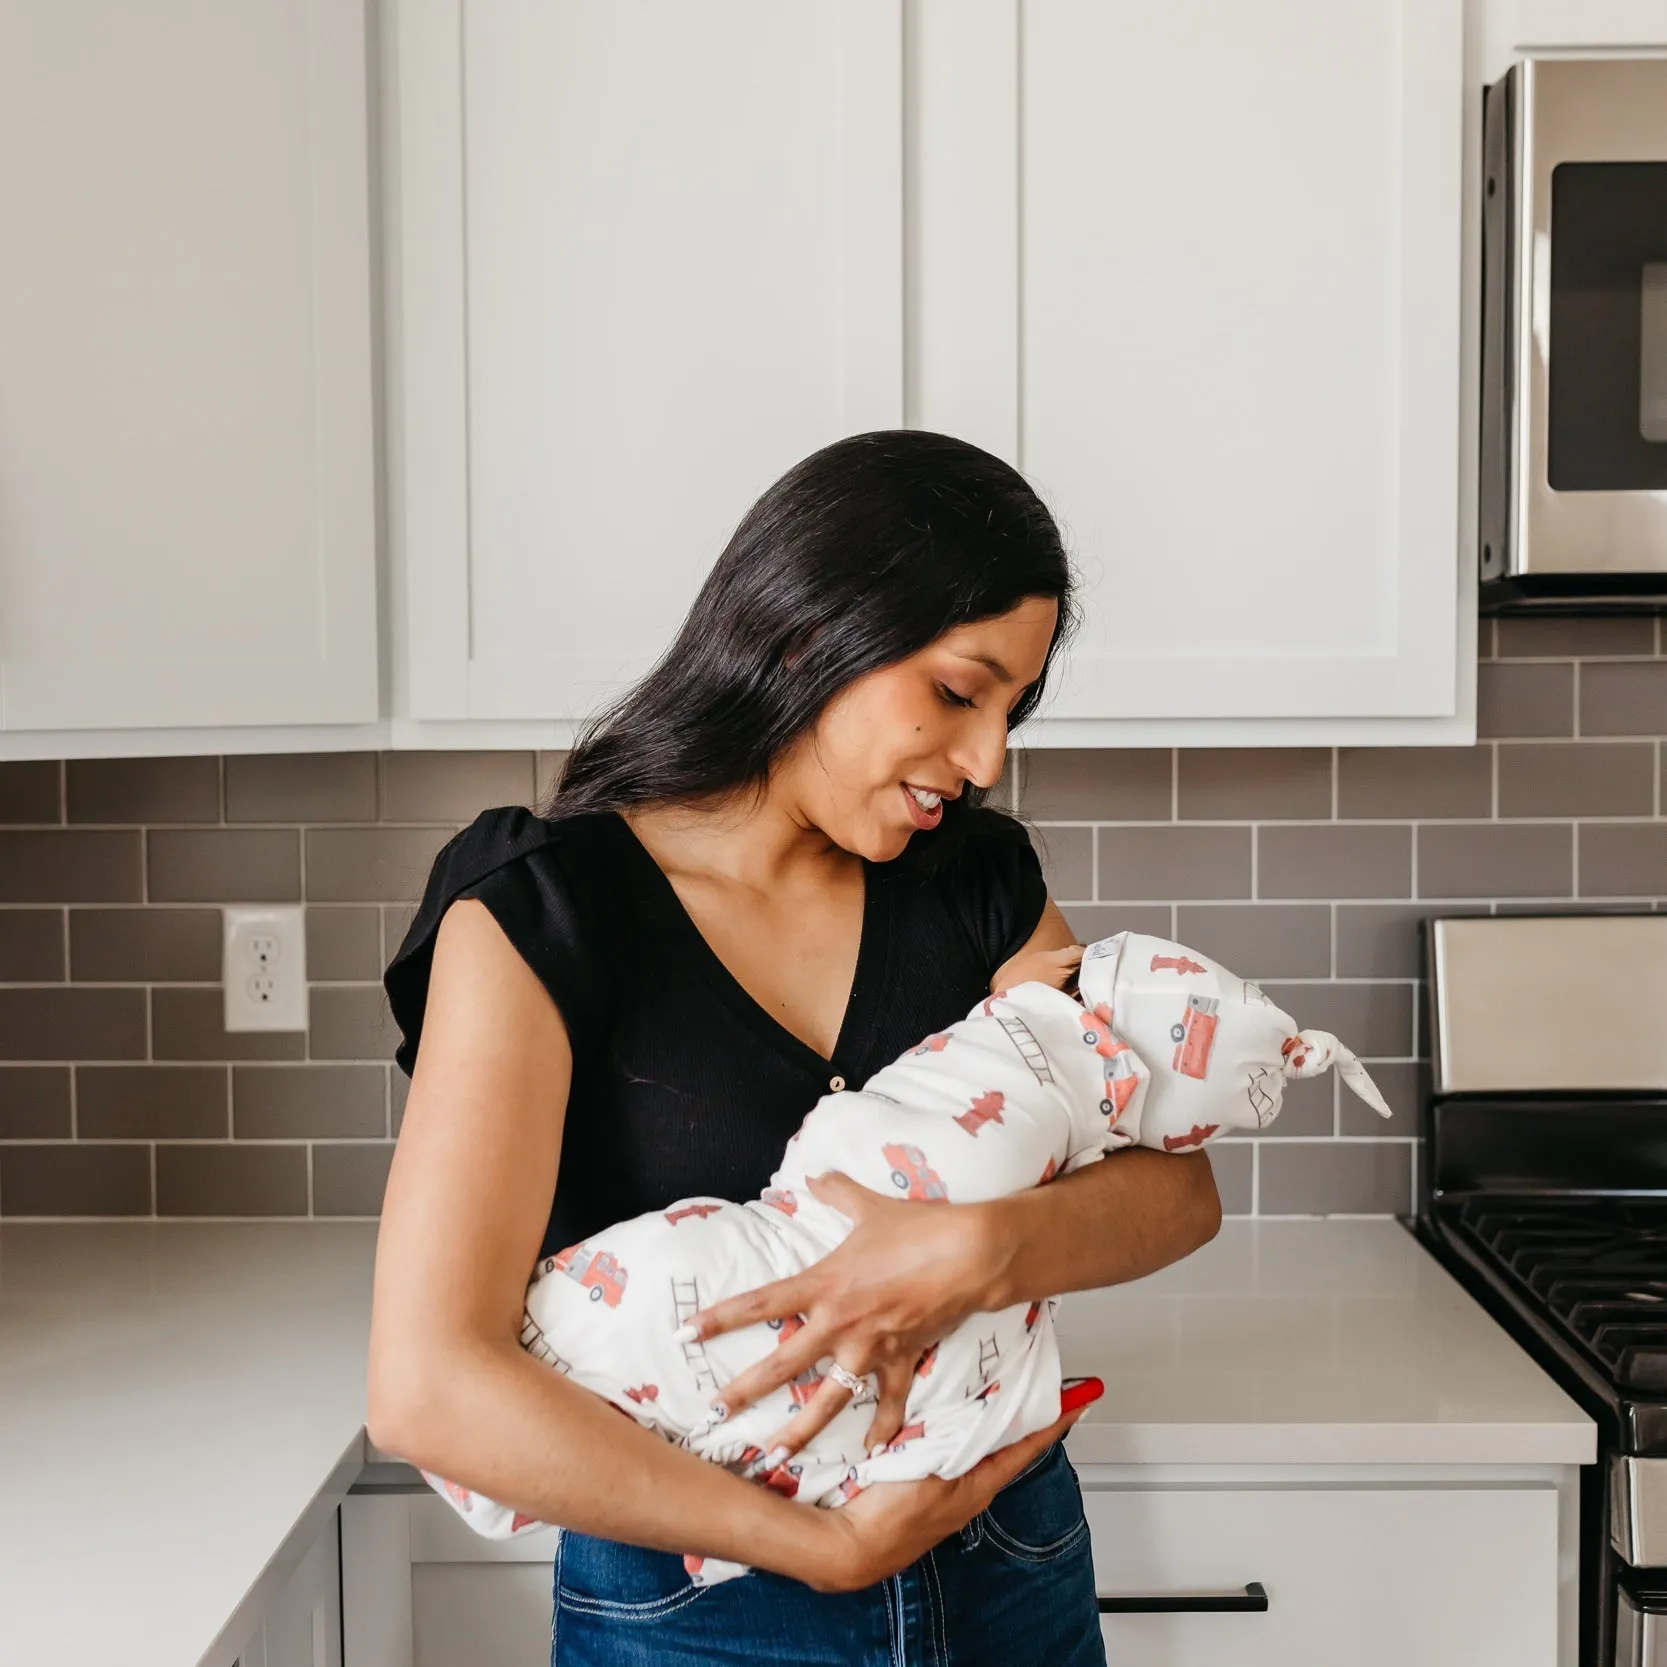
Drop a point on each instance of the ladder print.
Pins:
(1030, 1050)
(988, 1354)
(685, 1302)
(537, 1344)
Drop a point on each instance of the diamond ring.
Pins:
(849, 1380)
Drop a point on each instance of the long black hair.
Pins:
(856, 558)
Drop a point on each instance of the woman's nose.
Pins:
(981, 754)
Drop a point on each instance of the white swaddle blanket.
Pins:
(1164, 1048)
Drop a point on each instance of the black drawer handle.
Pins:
(1253, 1600)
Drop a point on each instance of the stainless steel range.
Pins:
(1544, 1188)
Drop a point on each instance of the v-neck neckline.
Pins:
(860, 1001)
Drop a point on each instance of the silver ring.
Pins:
(849, 1380)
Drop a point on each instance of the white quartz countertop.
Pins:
(1310, 1342)
(174, 1397)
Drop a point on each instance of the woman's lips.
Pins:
(918, 813)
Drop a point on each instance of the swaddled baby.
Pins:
(1161, 1046)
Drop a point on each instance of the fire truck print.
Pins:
(460, 1495)
(1121, 1076)
(849, 1486)
(1195, 1136)
(1030, 1314)
(701, 1211)
(595, 1271)
(986, 1108)
(935, 1043)
(1182, 964)
(923, 1368)
(908, 1433)
(911, 1173)
(990, 1001)
(521, 1520)
(1294, 1051)
(1194, 1035)
(988, 1390)
(644, 1392)
(1121, 1080)
(1048, 1172)
(537, 1344)
(780, 1198)
(1030, 1050)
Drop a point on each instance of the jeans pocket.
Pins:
(622, 1582)
(1038, 1516)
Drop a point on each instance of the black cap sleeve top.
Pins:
(682, 1083)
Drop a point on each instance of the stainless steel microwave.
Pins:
(1573, 478)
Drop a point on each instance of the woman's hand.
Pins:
(889, 1524)
(907, 1273)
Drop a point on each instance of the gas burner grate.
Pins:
(1597, 1265)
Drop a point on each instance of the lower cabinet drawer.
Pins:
(1357, 1575)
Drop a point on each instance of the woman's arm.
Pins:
(450, 1387)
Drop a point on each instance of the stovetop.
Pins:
(1596, 1267)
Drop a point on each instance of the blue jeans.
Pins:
(1015, 1585)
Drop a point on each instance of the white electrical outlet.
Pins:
(265, 968)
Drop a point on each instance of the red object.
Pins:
(1182, 964)
(1079, 1393)
(911, 1172)
(1194, 1036)
(521, 1520)
(780, 1198)
(1031, 1312)
(595, 1270)
(701, 1210)
(648, 1392)
(927, 1360)
(1195, 1136)
(994, 995)
(985, 1109)
(692, 1563)
(1047, 1174)
(935, 1043)
(907, 1433)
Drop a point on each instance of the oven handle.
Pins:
(1253, 1600)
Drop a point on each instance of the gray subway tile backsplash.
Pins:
(1307, 868)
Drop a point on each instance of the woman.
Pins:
(763, 873)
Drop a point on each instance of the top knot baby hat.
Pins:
(1219, 1051)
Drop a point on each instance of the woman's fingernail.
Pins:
(686, 1333)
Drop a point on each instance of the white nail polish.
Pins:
(686, 1333)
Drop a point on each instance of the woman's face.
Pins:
(934, 721)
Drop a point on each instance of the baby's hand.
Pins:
(1057, 967)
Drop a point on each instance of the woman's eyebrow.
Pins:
(1002, 673)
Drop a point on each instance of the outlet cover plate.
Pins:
(264, 967)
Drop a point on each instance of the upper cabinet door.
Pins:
(187, 469)
(642, 259)
(1195, 268)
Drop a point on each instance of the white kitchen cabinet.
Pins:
(1441, 1575)
(187, 468)
(301, 1625)
(422, 1589)
(1195, 269)
(641, 260)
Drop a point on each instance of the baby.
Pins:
(1159, 1046)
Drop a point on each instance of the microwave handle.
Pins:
(1253, 1600)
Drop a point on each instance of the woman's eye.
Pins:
(954, 699)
